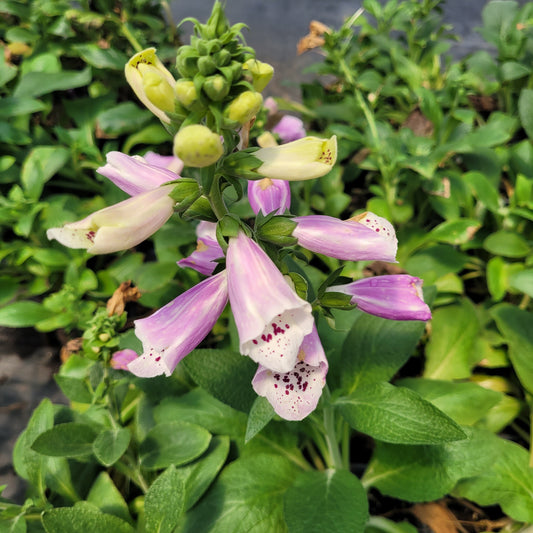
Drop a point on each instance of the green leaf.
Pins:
(110, 58)
(522, 281)
(497, 277)
(376, 348)
(82, 518)
(199, 407)
(248, 496)
(507, 483)
(164, 502)
(261, 414)
(33, 84)
(123, 118)
(428, 472)
(7, 72)
(379, 524)
(12, 107)
(151, 134)
(29, 464)
(105, 495)
(225, 374)
(450, 350)
(71, 439)
(74, 389)
(515, 325)
(525, 110)
(466, 403)
(455, 232)
(198, 475)
(317, 500)
(173, 443)
(397, 415)
(111, 444)
(23, 314)
(40, 165)
(506, 243)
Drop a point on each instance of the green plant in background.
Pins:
(63, 108)
(199, 450)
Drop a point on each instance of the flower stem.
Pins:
(331, 435)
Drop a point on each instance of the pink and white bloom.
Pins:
(121, 359)
(133, 174)
(272, 320)
(295, 394)
(120, 226)
(289, 129)
(396, 297)
(362, 238)
(177, 328)
(268, 195)
(169, 162)
(203, 259)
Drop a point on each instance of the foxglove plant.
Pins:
(208, 108)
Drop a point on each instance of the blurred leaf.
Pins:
(525, 110)
(123, 118)
(33, 84)
(74, 389)
(40, 165)
(109, 58)
(522, 281)
(23, 314)
(506, 243)
(316, 500)
(455, 232)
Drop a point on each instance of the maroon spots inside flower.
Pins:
(158, 358)
(91, 235)
(254, 341)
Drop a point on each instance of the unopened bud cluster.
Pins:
(219, 87)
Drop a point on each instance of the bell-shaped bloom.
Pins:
(168, 162)
(120, 226)
(268, 195)
(303, 159)
(203, 259)
(134, 174)
(272, 320)
(121, 359)
(295, 394)
(366, 237)
(396, 297)
(177, 328)
(152, 83)
(289, 129)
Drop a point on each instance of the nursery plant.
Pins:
(348, 347)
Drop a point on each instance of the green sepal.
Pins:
(242, 164)
(336, 300)
(184, 188)
(200, 209)
(277, 230)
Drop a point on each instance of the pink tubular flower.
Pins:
(168, 162)
(120, 359)
(133, 174)
(269, 195)
(295, 394)
(289, 129)
(120, 226)
(396, 297)
(271, 319)
(177, 328)
(203, 259)
(362, 238)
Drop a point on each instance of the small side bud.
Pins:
(216, 88)
(197, 146)
(186, 93)
(261, 73)
(206, 65)
(186, 61)
(243, 108)
(278, 230)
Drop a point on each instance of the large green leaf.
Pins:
(105, 495)
(225, 374)
(164, 502)
(248, 496)
(376, 349)
(40, 165)
(173, 443)
(525, 110)
(34, 84)
(23, 314)
(450, 350)
(82, 518)
(110, 445)
(516, 325)
(398, 415)
(317, 500)
(72, 439)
